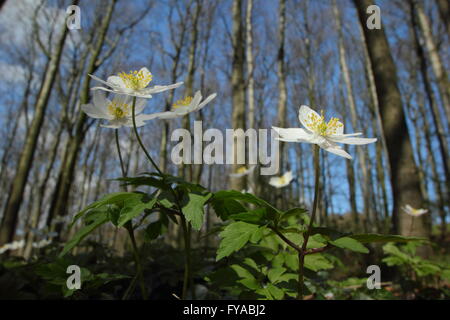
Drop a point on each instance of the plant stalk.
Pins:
(302, 253)
(129, 227)
(184, 223)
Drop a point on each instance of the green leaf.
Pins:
(245, 197)
(193, 209)
(274, 274)
(110, 199)
(155, 229)
(328, 233)
(275, 292)
(235, 236)
(373, 237)
(225, 208)
(257, 216)
(96, 219)
(134, 207)
(350, 244)
(316, 262)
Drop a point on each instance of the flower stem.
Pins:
(147, 154)
(129, 227)
(184, 223)
(301, 254)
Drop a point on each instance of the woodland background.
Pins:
(264, 59)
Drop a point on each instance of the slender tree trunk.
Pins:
(404, 176)
(15, 196)
(60, 199)
(353, 113)
(435, 59)
(444, 12)
(281, 75)
(237, 85)
(440, 131)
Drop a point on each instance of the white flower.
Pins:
(329, 296)
(414, 212)
(249, 190)
(133, 83)
(243, 171)
(41, 244)
(182, 107)
(12, 246)
(283, 181)
(118, 112)
(317, 131)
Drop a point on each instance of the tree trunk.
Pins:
(404, 176)
(15, 196)
(237, 86)
(59, 204)
(351, 103)
(435, 59)
(281, 74)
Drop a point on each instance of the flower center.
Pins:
(282, 180)
(135, 80)
(119, 111)
(321, 127)
(241, 170)
(182, 102)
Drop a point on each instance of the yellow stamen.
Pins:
(182, 102)
(119, 111)
(241, 170)
(318, 124)
(136, 80)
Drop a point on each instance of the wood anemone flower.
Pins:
(414, 212)
(118, 112)
(325, 134)
(243, 171)
(283, 181)
(182, 107)
(133, 83)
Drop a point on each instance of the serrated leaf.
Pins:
(257, 216)
(350, 244)
(234, 237)
(193, 209)
(274, 274)
(134, 208)
(316, 262)
(109, 199)
(96, 220)
(275, 292)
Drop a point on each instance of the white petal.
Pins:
(92, 112)
(336, 150)
(304, 115)
(207, 100)
(116, 82)
(140, 105)
(157, 89)
(99, 80)
(357, 141)
(196, 100)
(139, 121)
(293, 134)
(112, 124)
